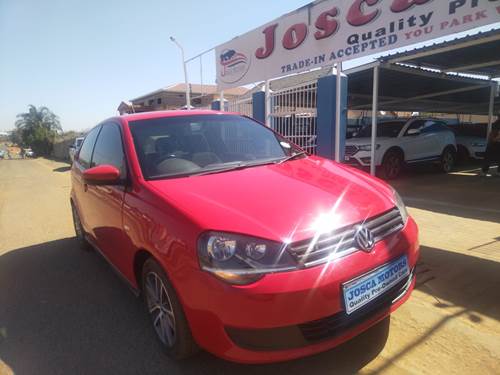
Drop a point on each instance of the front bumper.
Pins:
(360, 159)
(292, 314)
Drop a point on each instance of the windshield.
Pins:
(199, 144)
(384, 129)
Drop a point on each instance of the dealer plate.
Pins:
(365, 288)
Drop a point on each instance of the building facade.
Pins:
(174, 97)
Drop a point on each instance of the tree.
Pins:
(38, 129)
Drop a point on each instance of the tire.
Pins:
(80, 233)
(392, 164)
(447, 161)
(165, 310)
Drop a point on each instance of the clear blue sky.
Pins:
(81, 58)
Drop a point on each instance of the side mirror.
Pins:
(413, 132)
(102, 175)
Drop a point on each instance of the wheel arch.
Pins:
(451, 147)
(140, 257)
(397, 149)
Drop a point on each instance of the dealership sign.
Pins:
(326, 32)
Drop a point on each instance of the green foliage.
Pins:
(38, 129)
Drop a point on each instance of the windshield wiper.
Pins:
(233, 168)
(291, 157)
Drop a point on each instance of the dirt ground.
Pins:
(64, 311)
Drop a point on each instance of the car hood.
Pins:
(284, 202)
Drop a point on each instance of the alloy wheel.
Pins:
(393, 166)
(160, 309)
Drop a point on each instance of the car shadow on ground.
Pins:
(64, 311)
(456, 279)
(62, 169)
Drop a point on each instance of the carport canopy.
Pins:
(450, 77)
(406, 89)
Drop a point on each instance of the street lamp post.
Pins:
(188, 96)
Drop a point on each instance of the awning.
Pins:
(408, 89)
(474, 54)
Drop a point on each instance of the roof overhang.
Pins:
(476, 54)
(403, 88)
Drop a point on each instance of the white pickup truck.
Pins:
(404, 141)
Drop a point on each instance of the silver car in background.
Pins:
(74, 148)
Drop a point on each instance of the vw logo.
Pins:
(364, 238)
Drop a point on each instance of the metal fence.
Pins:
(293, 114)
(243, 106)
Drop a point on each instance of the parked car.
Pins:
(240, 242)
(471, 140)
(74, 148)
(28, 153)
(404, 141)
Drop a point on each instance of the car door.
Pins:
(80, 164)
(106, 201)
(418, 147)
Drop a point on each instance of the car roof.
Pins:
(176, 113)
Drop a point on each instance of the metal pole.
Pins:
(374, 120)
(338, 110)
(188, 95)
(267, 103)
(490, 109)
(221, 98)
(201, 80)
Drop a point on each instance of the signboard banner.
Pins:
(325, 32)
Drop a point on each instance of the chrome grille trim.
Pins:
(351, 150)
(341, 242)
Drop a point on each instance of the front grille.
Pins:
(351, 150)
(335, 325)
(341, 242)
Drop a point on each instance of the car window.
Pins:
(417, 124)
(85, 154)
(175, 146)
(435, 127)
(109, 148)
(384, 129)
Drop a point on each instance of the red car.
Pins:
(241, 243)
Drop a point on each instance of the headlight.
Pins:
(479, 144)
(240, 259)
(401, 206)
(367, 147)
